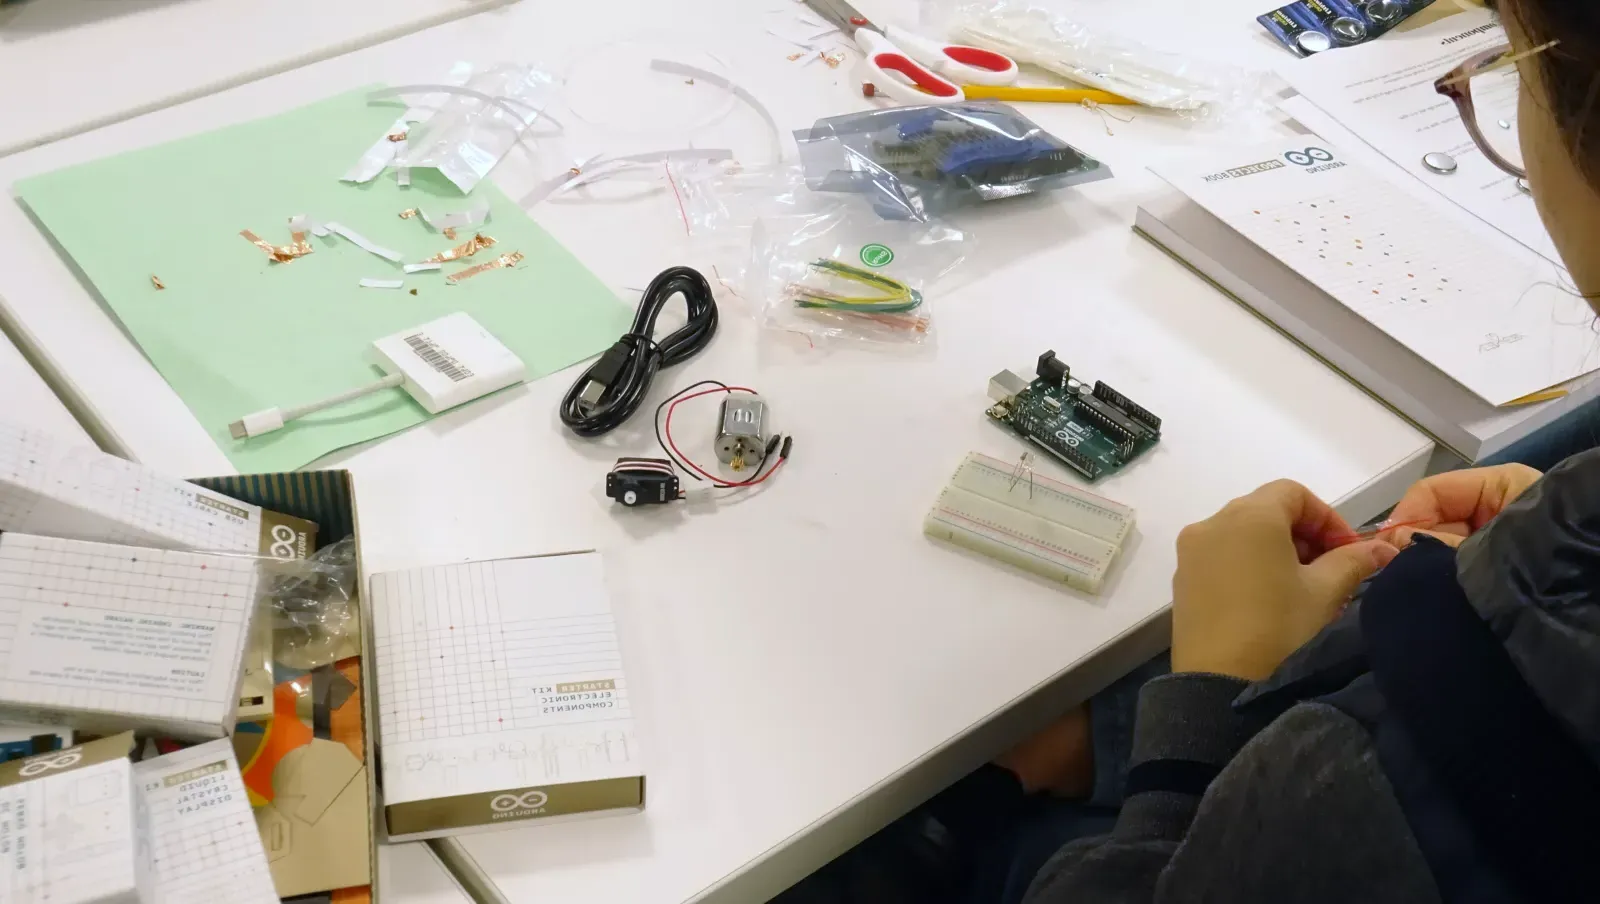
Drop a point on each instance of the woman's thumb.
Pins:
(1338, 572)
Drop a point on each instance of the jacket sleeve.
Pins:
(1302, 812)
(1186, 731)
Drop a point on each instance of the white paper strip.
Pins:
(427, 265)
(695, 72)
(353, 236)
(600, 166)
(426, 106)
(402, 174)
(382, 283)
(608, 165)
(548, 187)
(377, 158)
(383, 152)
(455, 219)
(516, 107)
(463, 144)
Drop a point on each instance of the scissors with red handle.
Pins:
(914, 69)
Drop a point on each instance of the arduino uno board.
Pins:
(1093, 430)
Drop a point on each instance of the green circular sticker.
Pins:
(876, 255)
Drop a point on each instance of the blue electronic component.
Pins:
(42, 743)
(914, 162)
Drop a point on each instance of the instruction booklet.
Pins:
(1487, 312)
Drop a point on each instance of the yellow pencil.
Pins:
(1043, 95)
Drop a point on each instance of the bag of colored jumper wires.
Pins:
(916, 162)
(843, 273)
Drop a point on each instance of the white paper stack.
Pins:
(106, 638)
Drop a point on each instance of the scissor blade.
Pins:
(841, 14)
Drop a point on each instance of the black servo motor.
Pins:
(642, 481)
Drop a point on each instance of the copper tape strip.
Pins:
(504, 260)
(297, 247)
(472, 246)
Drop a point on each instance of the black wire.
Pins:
(627, 368)
(660, 441)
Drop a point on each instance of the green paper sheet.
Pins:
(234, 333)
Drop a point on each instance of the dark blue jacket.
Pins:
(1439, 742)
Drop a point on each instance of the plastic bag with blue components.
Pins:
(918, 162)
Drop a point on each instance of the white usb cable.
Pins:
(441, 364)
(270, 419)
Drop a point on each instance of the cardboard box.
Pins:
(314, 756)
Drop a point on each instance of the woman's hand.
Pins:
(1261, 577)
(1451, 506)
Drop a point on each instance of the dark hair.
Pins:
(1570, 71)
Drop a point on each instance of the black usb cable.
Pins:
(614, 387)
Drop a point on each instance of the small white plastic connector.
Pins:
(257, 424)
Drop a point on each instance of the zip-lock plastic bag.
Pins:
(845, 273)
(1070, 38)
(313, 609)
(917, 162)
(722, 201)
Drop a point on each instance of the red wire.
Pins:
(721, 484)
(681, 212)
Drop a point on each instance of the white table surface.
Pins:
(69, 65)
(808, 665)
(26, 400)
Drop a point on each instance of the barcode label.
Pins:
(437, 358)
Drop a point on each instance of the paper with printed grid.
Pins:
(69, 837)
(499, 675)
(108, 637)
(53, 488)
(204, 844)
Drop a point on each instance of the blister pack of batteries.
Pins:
(1313, 26)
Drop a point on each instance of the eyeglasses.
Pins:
(1485, 90)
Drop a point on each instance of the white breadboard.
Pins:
(1031, 521)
